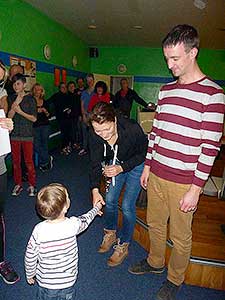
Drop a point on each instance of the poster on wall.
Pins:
(29, 69)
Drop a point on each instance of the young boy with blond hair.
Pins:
(52, 253)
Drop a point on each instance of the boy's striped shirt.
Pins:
(52, 251)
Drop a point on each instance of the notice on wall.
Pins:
(5, 146)
(29, 70)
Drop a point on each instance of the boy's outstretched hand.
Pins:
(31, 281)
(99, 205)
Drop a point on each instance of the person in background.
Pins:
(80, 86)
(100, 95)
(124, 99)
(78, 91)
(85, 99)
(61, 102)
(75, 114)
(7, 272)
(183, 144)
(42, 128)
(55, 236)
(23, 111)
(117, 148)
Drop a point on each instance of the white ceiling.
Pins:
(115, 20)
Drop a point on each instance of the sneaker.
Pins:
(69, 149)
(168, 291)
(8, 274)
(82, 152)
(32, 191)
(76, 146)
(108, 240)
(64, 151)
(143, 267)
(119, 254)
(17, 190)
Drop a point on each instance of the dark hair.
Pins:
(51, 200)
(71, 82)
(61, 83)
(102, 112)
(78, 78)
(123, 79)
(20, 77)
(90, 75)
(185, 34)
(101, 84)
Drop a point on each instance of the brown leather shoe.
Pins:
(108, 240)
(119, 254)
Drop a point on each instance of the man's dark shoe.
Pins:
(168, 291)
(8, 274)
(143, 267)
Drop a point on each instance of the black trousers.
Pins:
(65, 128)
(3, 189)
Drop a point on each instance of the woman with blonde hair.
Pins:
(42, 128)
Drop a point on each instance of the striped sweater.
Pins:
(52, 251)
(186, 132)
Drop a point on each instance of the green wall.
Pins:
(149, 62)
(25, 31)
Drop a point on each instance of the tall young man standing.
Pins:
(182, 147)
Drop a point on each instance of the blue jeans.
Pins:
(41, 135)
(49, 294)
(131, 180)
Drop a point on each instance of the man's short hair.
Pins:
(78, 78)
(90, 75)
(20, 77)
(71, 82)
(123, 79)
(185, 34)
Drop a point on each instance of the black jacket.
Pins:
(132, 147)
(75, 105)
(124, 104)
(61, 102)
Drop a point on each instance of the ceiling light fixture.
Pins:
(201, 4)
(137, 27)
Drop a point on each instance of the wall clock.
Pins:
(47, 52)
(121, 68)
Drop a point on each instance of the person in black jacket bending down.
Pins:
(117, 148)
(124, 99)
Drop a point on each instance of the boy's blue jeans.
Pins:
(49, 294)
(131, 180)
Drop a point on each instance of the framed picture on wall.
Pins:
(29, 70)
